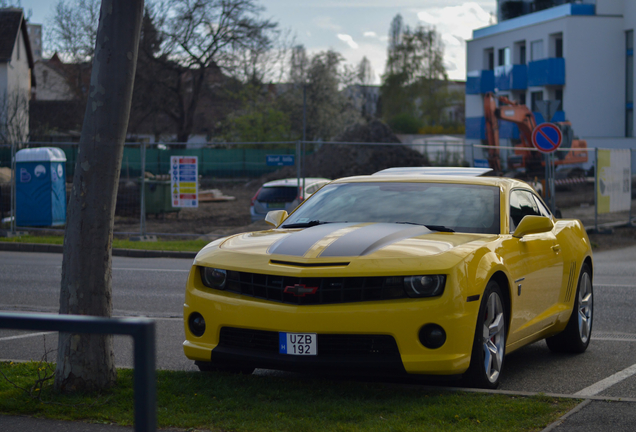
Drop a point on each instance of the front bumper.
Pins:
(400, 319)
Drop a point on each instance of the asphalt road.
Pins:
(154, 288)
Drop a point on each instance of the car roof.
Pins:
(293, 182)
(461, 171)
(500, 182)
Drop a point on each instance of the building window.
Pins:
(536, 50)
(558, 95)
(522, 98)
(556, 45)
(629, 83)
(534, 98)
(504, 56)
(520, 53)
(489, 59)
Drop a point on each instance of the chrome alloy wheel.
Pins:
(494, 337)
(586, 304)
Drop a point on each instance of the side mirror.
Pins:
(533, 225)
(276, 217)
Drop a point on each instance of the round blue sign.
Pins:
(546, 137)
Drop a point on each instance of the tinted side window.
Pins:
(522, 204)
(542, 208)
(277, 194)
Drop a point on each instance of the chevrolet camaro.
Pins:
(435, 272)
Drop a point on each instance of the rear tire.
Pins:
(213, 367)
(489, 346)
(576, 336)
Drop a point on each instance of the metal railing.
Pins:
(142, 331)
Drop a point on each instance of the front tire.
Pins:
(489, 346)
(576, 336)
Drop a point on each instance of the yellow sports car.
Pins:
(410, 270)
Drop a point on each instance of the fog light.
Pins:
(432, 336)
(196, 323)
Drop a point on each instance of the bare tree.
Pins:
(203, 37)
(329, 110)
(365, 72)
(14, 117)
(298, 65)
(364, 78)
(415, 80)
(86, 362)
(74, 29)
(199, 40)
(264, 60)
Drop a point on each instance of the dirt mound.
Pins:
(341, 160)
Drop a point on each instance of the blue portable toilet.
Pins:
(40, 187)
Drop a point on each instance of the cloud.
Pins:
(370, 34)
(325, 22)
(348, 40)
(455, 24)
(457, 20)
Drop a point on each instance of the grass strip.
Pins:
(164, 245)
(222, 402)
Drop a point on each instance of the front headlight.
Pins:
(425, 285)
(213, 278)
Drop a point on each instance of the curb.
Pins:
(133, 253)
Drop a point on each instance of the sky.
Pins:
(358, 28)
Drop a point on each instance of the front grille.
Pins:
(341, 345)
(329, 290)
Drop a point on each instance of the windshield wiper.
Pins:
(440, 228)
(305, 224)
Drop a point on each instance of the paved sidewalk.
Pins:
(136, 253)
(597, 416)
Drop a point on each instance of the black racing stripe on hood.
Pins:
(370, 238)
(299, 242)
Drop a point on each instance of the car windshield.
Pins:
(441, 206)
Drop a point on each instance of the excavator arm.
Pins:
(521, 116)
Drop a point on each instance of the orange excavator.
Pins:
(532, 161)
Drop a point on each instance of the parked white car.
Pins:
(282, 195)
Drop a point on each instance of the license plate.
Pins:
(276, 205)
(297, 343)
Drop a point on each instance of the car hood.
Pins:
(335, 240)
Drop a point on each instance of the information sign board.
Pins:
(614, 186)
(184, 185)
(280, 160)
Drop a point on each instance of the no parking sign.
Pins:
(546, 137)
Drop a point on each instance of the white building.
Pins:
(578, 52)
(16, 81)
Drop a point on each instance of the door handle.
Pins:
(556, 248)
